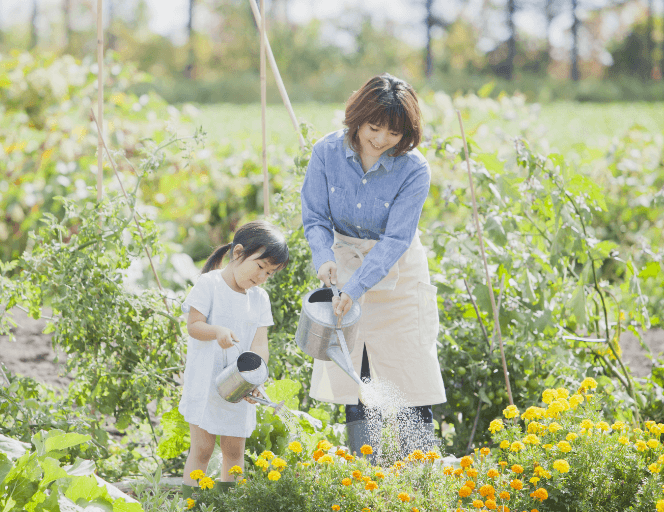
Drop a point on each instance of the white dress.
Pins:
(243, 314)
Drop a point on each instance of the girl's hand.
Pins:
(341, 305)
(224, 336)
(255, 392)
(328, 273)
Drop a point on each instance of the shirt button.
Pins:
(387, 205)
(359, 205)
(332, 189)
(364, 181)
(358, 227)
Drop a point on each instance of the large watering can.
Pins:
(322, 336)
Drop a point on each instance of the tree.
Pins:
(431, 22)
(33, 25)
(191, 59)
(575, 43)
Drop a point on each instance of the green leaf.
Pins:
(495, 230)
(603, 249)
(578, 304)
(286, 390)
(321, 414)
(176, 435)
(485, 90)
(13, 448)
(57, 440)
(484, 397)
(5, 467)
(490, 161)
(81, 467)
(580, 184)
(652, 269)
(52, 471)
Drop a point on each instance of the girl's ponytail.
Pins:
(214, 261)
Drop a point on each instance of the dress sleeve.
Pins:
(399, 233)
(316, 215)
(265, 319)
(200, 296)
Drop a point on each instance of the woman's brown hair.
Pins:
(385, 101)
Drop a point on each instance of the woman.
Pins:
(362, 198)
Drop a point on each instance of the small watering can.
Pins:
(322, 336)
(241, 378)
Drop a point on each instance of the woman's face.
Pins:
(375, 140)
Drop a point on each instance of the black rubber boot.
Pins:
(188, 493)
(418, 436)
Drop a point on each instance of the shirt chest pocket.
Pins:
(380, 213)
(337, 199)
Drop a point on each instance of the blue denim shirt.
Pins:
(384, 204)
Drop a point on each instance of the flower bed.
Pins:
(562, 457)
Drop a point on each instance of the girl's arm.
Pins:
(259, 345)
(198, 328)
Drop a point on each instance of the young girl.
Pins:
(228, 314)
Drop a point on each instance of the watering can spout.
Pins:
(335, 353)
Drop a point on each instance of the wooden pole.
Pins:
(100, 99)
(486, 265)
(277, 76)
(266, 181)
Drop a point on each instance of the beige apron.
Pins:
(398, 325)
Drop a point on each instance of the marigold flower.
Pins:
(661, 461)
(549, 395)
(541, 472)
(547, 446)
(326, 459)
(274, 475)
(458, 472)
(346, 481)
(516, 484)
(206, 483)
(504, 495)
(618, 425)
(561, 465)
(654, 468)
(564, 446)
(486, 490)
(533, 413)
(534, 480)
(340, 452)
(472, 472)
(418, 455)
(555, 427)
(235, 470)
(262, 463)
(318, 454)
(349, 457)
(371, 486)
(366, 449)
(496, 425)
(243, 481)
(556, 407)
(641, 445)
(447, 470)
(295, 446)
(492, 473)
(197, 474)
(490, 504)
(324, 445)
(267, 455)
(637, 431)
(465, 491)
(366, 509)
(571, 436)
(366, 479)
(517, 468)
(603, 425)
(485, 451)
(335, 507)
(503, 464)
(540, 494)
(660, 506)
(589, 383)
(466, 461)
(511, 412)
(587, 424)
(575, 400)
(190, 503)
(305, 464)
(414, 509)
(531, 439)
(517, 446)
(404, 496)
(470, 484)
(503, 509)
(431, 455)
(356, 474)
(504, 444)
(478, 503)
(653, 443)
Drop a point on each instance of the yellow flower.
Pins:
(516, 484)
(340, 452)
(531, 439)
(403, 496)
(486, 490)
(547, 446)
(623, 440)
(571, 436)
(653, 443)
(470, 484)
(587, 424)
(206, 483)
(371, 486)
(356, 474)
(335, 507)
(466, 461)
(295, 446)
(511, 412)
(618, 425)
(485, 451)
(502, 464)
(418, 455)
(496, 425)
(504, 444)
(414, 509)
(190, 503)
(541, 472)
(564, 446)
(589, 383)
(280, 463)
(534, 480)
(349, 457)
(555, 427)
(540, 494)
(478, 503)
(504, 495)
(262, 463)
(379, 474)
(235, 470)
(660, 506)
(197, 474)
(243, 481)
(561, 465)
(326, 459)
(274, 475)
(267, 455)
(562, 393)
(603, 425)
(490, 504)
(447, 470)
(492, 473)
(654, 468)
(549, 395)
(465, 491)
(517, 446)
(366, 509)
(575, 400)
(641, 445)
(431, 455)
(517, 468)
(346, 481)
(318, 454)
(533, 413)
(472, 472)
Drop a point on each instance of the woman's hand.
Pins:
(255, 392)
(328, 273)
(224, 336)
(341, 305)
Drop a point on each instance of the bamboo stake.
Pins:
(486, 265)
(277, 76)
(266, 180)
(100, 99)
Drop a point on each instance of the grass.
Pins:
(564, 123)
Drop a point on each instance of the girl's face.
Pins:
(375, 140)
(244, 274)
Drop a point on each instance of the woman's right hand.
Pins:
(327, 273)
(225, 337)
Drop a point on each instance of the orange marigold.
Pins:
(318, 454)
(357, 474)
(539, 494)
(517, 468)
(470, 483)
(504, 495)
(516, 484)
(485, 451)
(404, 496)
(366, 449)
(371, 486)
(335, 507)
(472, 472)
(465, 491)
(490, 504)
(478, 503)
(466, 461)
(486, 490)
(448, 470)
(346, 481)
(492, 473)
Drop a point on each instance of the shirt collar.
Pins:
(386, 160)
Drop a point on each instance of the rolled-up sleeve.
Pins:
(316, 216)
(399, 233)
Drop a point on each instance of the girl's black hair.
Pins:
(253, 236)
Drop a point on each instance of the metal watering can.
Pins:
(322, 336)
(239, 379)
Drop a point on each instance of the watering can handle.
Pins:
(336, 293)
